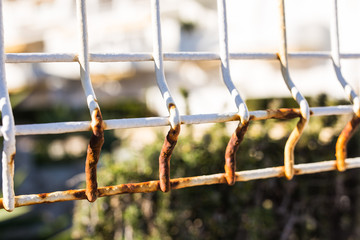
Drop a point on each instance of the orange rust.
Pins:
(12, 158)
(171, 105)
(290, 146)
(164, 158)
(230, 152)
(142, 187)
(296, 171)
(42, 195)
(93, 154)
(152, 186)
(343, 139)
(79, 194)
(176, 182)
(283, 113)
(235, 117)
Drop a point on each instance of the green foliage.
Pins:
(314, 206)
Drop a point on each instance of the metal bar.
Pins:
(304, 106)
(174, 116)
(152, 186)
(225, 64)
(343, 139)
(97, 127)
(348, 131)
(243, 112)
(335, 57)
(167, 56)
(7, 129)
(83, 57)
(68, 127)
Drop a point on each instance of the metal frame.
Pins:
(7, 130)
(97, 125)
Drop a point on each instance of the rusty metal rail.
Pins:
(353, 124)
(98, 125)
(178, 183)
(295, 135)
(97, 137)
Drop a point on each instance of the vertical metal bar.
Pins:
(84, 57)
(225, 66)
(97, 138)
(335, 57)
(352, 125)
(304, 106)
(174, 116)
(237, 137)
(7, 129)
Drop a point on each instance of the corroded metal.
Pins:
(343, 139)
(230, 152)
(164, 158)
(283, 113)
(93, 154)
(290, 146)
(295, 93)
(348, 131)
(179, 183)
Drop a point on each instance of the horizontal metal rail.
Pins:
(69, 127)
(173, 56)
(178, 183)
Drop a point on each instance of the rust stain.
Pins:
(42, 195)
(278, 56)
(12, 158)
(176, 183)
(76, 58)
(230, 152)
(297, 171)
(343, 139)
(164, 158)
(236, 117)
(78, 194)
(290, 146)
(171, 106)
(283, 113)
(142, 187)
(93, 154)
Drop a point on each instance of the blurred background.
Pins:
(321, 206)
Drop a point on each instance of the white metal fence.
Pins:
(175, 119)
